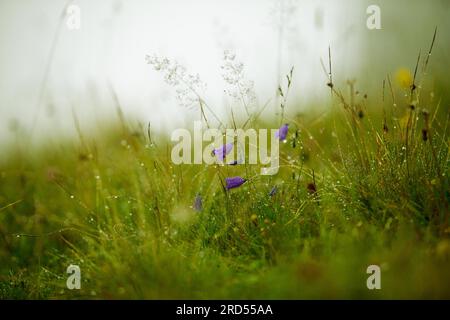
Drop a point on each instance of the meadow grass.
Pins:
(362, 182)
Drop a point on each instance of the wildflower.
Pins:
(234, 182)
(187, 86)
(273, 191)
(424, 134)
(239, 87)
(425, 130)
(222, 151)
(282, 132)
(404, 78)
(198, 203)
(311, 187)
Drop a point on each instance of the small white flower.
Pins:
(233, 74)
(187, 86)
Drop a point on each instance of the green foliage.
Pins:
(358, 185)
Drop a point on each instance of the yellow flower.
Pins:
(404, 78)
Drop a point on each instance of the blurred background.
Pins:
(49, 71)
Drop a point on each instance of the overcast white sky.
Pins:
(115, 36)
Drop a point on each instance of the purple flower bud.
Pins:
(198, 204)
(273, 191)
(222, 151)
(282, 132)
(234, 182)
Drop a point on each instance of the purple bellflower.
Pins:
(273, 191)
(198, 203)
(222, 151)
(234, 182)
(282, 132)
